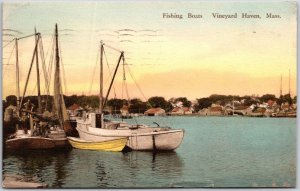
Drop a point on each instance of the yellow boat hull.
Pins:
(113, 145)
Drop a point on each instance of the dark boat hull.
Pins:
(36, 143)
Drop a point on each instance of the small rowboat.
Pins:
(112, 145)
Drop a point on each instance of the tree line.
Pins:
(138, 106)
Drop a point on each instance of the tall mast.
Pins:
(38, 74)
(281, 86)
(56, 49)
(101, 85)
(290, 82)
(57, 85)
(17, 77)
(101, 78)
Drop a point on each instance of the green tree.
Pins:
(267, 97)
(249, 101)
(203, 103)
(158, 102)
(137, 106)
(70, 100)
(285, 98)
(168, 107)
(223, 99)
(116, 104)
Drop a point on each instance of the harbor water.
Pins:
(215, 152)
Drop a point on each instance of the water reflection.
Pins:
(101, 174)
(42, 166)
(167, 164)
(61, 172)
(123, 170)
(94, 169)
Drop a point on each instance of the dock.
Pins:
(14, 182)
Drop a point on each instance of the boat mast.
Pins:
(101, 85)
(38, 74)
(112, 81)
(57, 82)
(281, 85)
(290, 82)
(17, 78)
(31, 64)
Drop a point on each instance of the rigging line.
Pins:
(109, 72)
(50, 46)
(19, 39)
(34, 52)
(50, 49)
(124, 78)
(8, 43)
(47, 73)
(44, 68)
(137, 84)
(28, 36)
(10, 55)
(126, 90)
(63, 68)
(94, 71)
(50, 68)
(123, 82)
(112, 48)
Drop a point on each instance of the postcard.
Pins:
(149, 94)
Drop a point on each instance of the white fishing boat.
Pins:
(140, 137)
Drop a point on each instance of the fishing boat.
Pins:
(113, 145)
(140, 137)
(46, 132)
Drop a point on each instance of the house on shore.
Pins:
(211, 111)
(155, 112)
(216, 110)
(181, 111)
(240, 110)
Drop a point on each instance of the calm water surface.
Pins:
(215, 152)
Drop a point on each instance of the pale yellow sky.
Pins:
(168, 57)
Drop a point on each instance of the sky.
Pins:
(167, 57)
